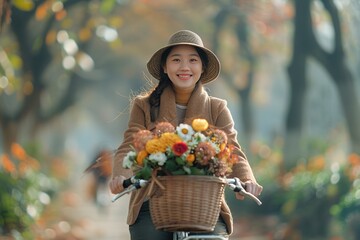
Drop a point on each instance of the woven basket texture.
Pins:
(188, 203)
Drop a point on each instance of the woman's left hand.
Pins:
(251, 187)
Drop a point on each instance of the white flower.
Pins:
(129, 159)
(185, 131)
(158, 158)
(197, 138)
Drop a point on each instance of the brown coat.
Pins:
(200, 105)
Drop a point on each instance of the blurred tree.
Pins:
(305, 45)
(245, 33)
(232, 9)
(46, 60)
(4, 12)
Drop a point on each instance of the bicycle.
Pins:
(234, 184)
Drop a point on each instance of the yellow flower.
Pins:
(155, 145)
(160, 144)
(222, 146)
(169, 139)
(200, 125)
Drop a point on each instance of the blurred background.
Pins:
(290, 74)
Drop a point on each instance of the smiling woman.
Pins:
(184, 67)
(181, 67)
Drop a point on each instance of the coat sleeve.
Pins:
(136, 123)
(224, 121)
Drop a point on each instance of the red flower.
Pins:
(179, 148)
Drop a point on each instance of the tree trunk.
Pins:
(350, 103)
(334, 62)
(306, 45)
(242, 34)
(297, 75)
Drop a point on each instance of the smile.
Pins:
(184, 76)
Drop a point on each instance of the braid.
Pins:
(154, 98)
(164, 81)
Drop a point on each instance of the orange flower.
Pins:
(8, 165)
(190, 158)
(18, 151)
(140, 157)
(317, 163)
(224, 155)
(354, 159)
(222, 146)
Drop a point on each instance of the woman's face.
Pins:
(183, 66)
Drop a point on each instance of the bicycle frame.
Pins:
(184, 236)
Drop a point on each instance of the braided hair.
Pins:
(164, 81)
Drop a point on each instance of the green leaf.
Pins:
(144, 173)
(180, 161)
(187, 170)
(197, 171)
(170, 165)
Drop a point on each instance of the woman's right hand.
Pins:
(116, 184)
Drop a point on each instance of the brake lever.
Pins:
(237, 186)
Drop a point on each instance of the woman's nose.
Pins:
(184, 65)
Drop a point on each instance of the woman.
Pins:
(182, 67)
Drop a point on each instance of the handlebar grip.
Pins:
(237, 189)
(127, 183)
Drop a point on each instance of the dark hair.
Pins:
(164, 81)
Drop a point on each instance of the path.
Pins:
(75, 216)
(107, 222)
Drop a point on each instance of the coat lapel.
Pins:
(167, 111)
(198, 106)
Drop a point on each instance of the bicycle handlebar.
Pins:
(237, 186)
(132, 184)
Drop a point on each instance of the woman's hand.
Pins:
(116, 184)
(251, 187)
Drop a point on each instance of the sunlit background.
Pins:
(290, 74)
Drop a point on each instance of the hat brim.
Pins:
(210, 74)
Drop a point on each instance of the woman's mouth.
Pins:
(184, 76)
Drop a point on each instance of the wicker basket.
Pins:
(188, 203)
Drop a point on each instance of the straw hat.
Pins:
(186, 37)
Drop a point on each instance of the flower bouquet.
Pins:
(166, 155)
(195, 149)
